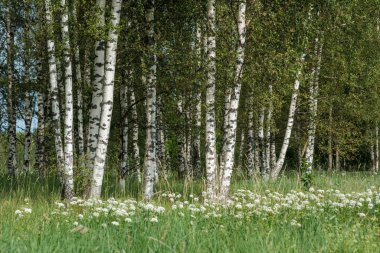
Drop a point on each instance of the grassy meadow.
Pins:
(340, 213)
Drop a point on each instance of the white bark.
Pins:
(97, 90)
(234, 104)
(12, 159)
(182, 156)
(107, 103)
(123, 167)
(79, 110)
(273, 158)
(160, 137)
(251, 145)
(69, 108)
(260, 135)
(330, 150)
(79, 84)
(239, 162)
(40, 143)
(56, 116)
(189, 128)
(28, 104)
(227, 106)
(292, 110)
(135, 135)
(210, 103)
(198, 108)
(313, 105)
(150, 163)
(268, 166)
(28, 124)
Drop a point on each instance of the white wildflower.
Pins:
(115, 223)
(153, 219)
(60, 205)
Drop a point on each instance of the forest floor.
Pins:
(339, 213)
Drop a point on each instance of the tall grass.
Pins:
(43, 232)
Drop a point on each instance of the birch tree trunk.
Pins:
(28, 103)
(150, 164)
(28, 124)
(198, 109)
(197, 137)
(268, 137)
(273, 157)
(210, 103)
(330, 150)
(251, 145)
(79, 110)
(61, 86)
(261, 139)
(376, 147)
(55, 107)
(188, 135)
(79, 84)
(337, 159)
(182, 143)
(107, 103)
(234, 104)
(292, 110)
(69, 108)
(123, 169)
(161, 163)
(372, 154)
(313, 104)
(239, 162)
(135, 135)
(12, 160)
(40, 143)
(97, 89)
(227, 106)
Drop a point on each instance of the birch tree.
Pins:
(288, 131)
(69, 108)
(251, 145)
(123, 169)
(198, 108)
(135, 135)
(55, 107)
(40, 142)
(28, 107)
(97, 87)
(234, 104)
(313, 104)
(211, 160)
(12, 160)
(79, 83)
(268, 135)
(150, 164)
(107, 103)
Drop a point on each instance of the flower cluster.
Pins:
(23, 211)
(242, 205)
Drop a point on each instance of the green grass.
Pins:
(41, 231)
